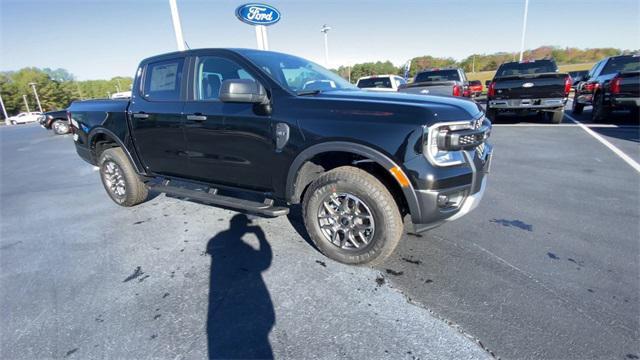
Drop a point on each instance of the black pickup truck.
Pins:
(527, 87)
(56, 121)
(612, 83)
(258, 131)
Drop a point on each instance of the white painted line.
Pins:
(606, 143)
(570, 125)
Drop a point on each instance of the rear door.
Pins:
(155, 115)
(228, 143)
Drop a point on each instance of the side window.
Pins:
(162, 80)
(211, 71)
(594, 70)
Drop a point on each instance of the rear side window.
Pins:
(615, 65)
(381, 82)
(162, 80)
(527, 68)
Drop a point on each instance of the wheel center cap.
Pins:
(345, 221)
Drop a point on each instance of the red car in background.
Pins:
(475, 88)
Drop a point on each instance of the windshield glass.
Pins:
(297, 74)
(528, 68)
(439, 75)
(615, 65)
(379, 82)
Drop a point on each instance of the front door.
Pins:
(228, 143)
(156, 118)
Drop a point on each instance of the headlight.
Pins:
(441, 157)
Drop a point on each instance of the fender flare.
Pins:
(355, 148)
(114, 137)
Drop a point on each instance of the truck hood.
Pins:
(442, 108)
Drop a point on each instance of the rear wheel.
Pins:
(60, 127)
(120, 179)
(557, 116)
(491, 113)
(600, 111)
(351, 216)
(576, 108)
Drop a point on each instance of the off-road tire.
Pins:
(58, 127)
(576, 108)
(600, 112)
(383, 208)
(135, 191)
(557, 116)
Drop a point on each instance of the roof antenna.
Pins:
(187, 45)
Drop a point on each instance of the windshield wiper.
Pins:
(308, 92)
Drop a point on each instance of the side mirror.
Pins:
(243, 91)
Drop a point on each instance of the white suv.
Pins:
(381, 82)
(24, 117)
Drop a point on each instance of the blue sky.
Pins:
(100, 39)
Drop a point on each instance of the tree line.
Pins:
(56, 88)
(479, 62)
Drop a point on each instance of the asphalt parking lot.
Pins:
(546, 268)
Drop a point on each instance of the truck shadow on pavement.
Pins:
(241, 313)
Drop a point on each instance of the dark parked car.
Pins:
(527, 87)
(56, 121)
(249, 130)
(613, 83)
(447, 82)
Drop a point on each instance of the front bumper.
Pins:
(523, 104)
(465, 197)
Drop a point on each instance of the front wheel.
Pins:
(120, 179)
(60, 127)
(351, 216)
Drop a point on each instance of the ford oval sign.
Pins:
(258, 14)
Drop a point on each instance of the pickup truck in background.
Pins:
(475, 88)
(389, 83)
(446, 82)
(613, 83)
(56, 121)
(529, 87)
(246, 129)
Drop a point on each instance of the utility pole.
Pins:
(26, 103)
(473, 68)
(33, 86)
(524, 27)
(4, 111)
(177, 26)
(325, 29)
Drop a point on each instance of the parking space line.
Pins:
(567, 125)
(606, 143)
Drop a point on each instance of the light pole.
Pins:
(177, 26)
(4, 111)
(524, 27)
(325, 29)
(33, 86)
(26, 103)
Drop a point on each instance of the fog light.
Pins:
(443, 200)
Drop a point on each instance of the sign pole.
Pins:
(259, 37)
(265, 40)
(177, 26)
(259, 16)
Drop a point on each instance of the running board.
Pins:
(211, 197)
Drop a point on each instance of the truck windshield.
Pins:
(378, 82)
(297, 74)
(527, 68)
(615, 65)
(438, 75)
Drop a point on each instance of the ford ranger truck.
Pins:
(259, 131)
(529, 87)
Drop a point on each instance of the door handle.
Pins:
(196, 117)
(141, 116)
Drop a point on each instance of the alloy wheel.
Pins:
(346, 221)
